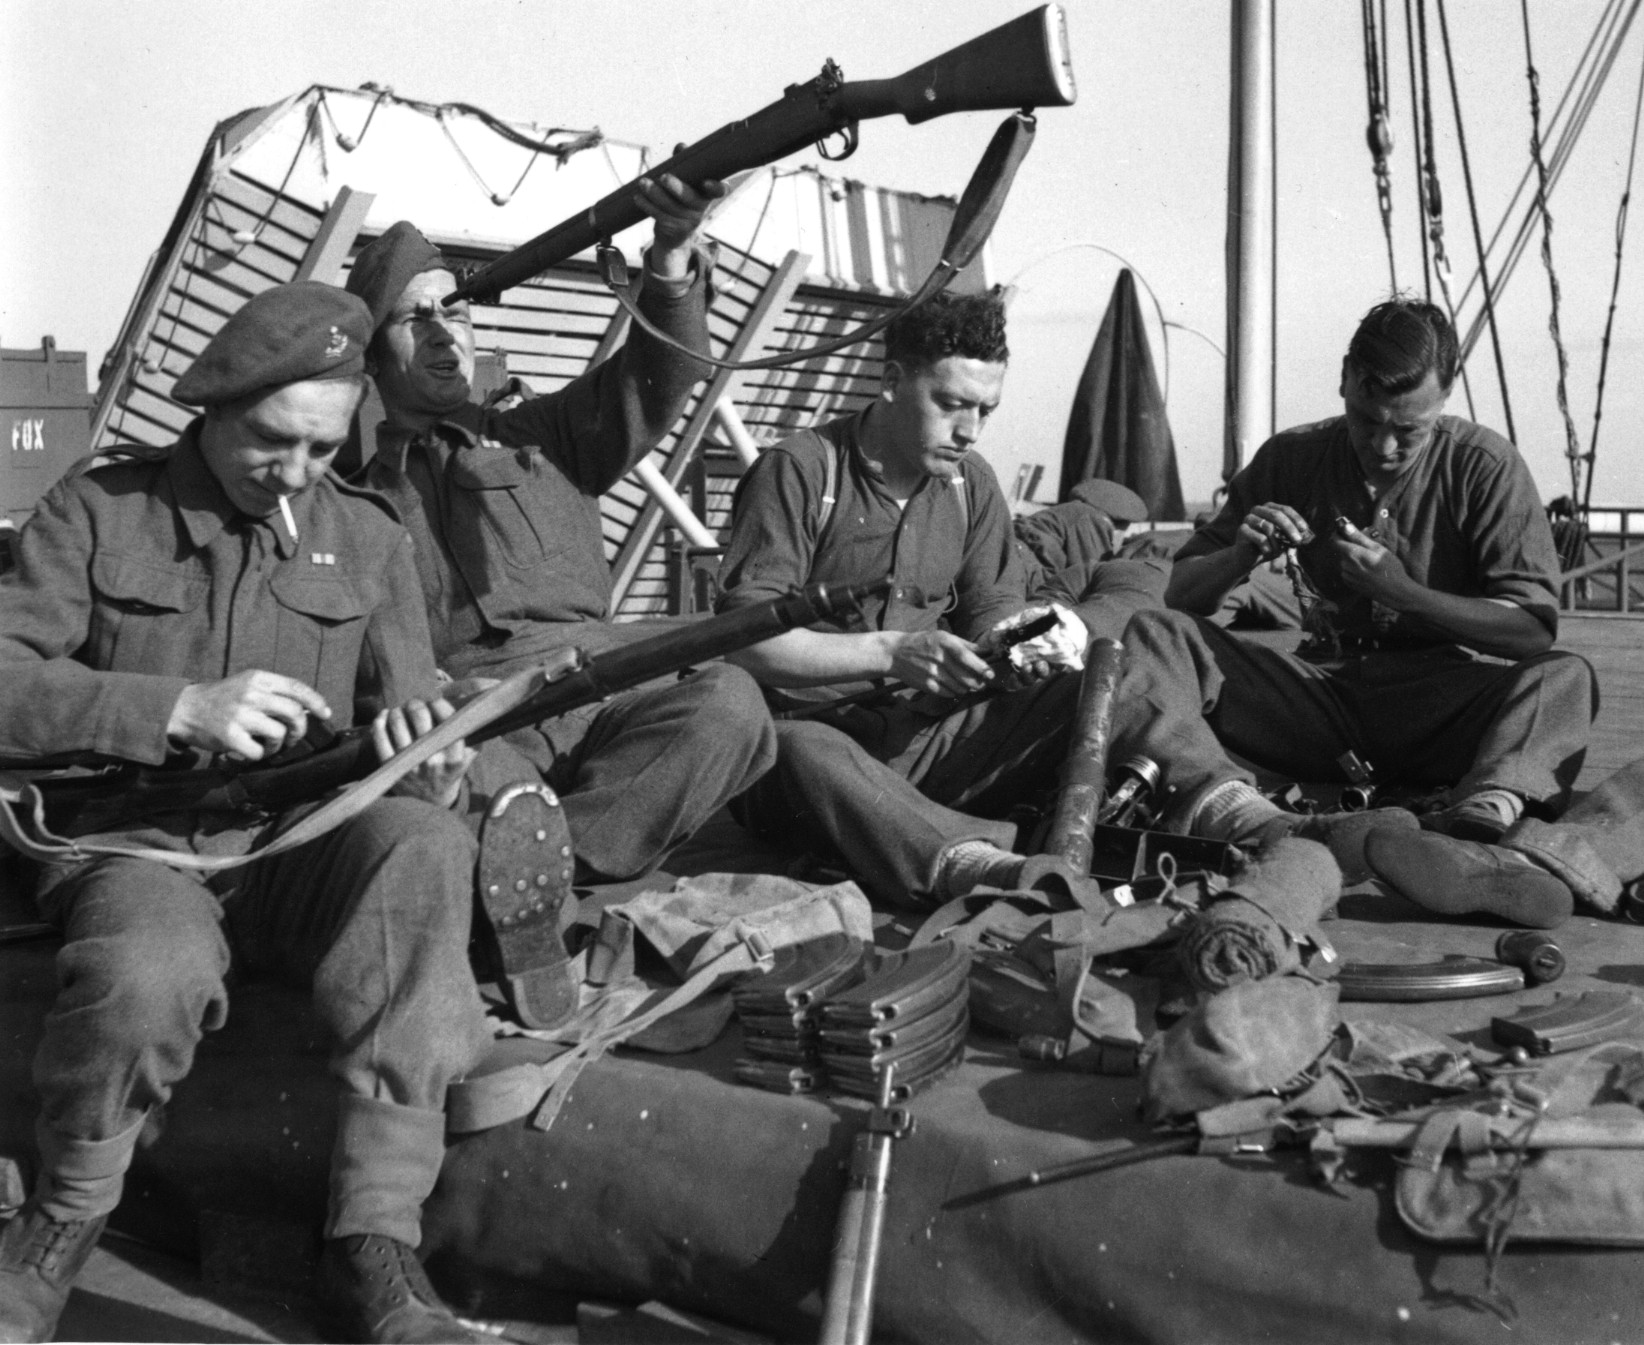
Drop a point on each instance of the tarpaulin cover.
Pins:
(1118, 428)
(663, 1179)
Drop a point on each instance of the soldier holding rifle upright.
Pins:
(212, 601)
(503, 509)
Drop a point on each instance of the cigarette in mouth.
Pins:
(285, 513)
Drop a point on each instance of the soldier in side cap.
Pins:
(165, 610)
(503, 508)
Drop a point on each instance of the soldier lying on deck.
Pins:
(503, 510)
(1427, 546)
(207, 602)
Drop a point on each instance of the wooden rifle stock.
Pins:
(1020, 64)
(85, 805)
(847, 1312)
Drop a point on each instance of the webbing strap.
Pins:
(22, 810)
(495, 1099)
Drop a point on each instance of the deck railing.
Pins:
(1604, 562)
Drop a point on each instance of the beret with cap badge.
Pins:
(287, 334)
(387, 264)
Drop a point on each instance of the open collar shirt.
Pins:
(1464, 519)
(949, 562)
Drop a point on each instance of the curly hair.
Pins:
(1399, 342)
(971, 326)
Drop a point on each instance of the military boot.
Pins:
(1597, 847)
(39, 1258)
(1343, 834)
(1455, 877)
(373, 1288)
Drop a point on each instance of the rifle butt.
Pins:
(1024, 63)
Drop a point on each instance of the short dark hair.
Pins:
(971, 326)
(1399, 342)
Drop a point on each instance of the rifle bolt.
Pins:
(520, 885)
(541, 834)
(542, 880)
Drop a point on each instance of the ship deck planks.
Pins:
(1614, 645)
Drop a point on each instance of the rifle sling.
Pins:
(32, 838)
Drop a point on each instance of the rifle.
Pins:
(1020, 64)
(847, 1314)
(111, 799)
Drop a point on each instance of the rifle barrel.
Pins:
(83, 806)
(1020, 64)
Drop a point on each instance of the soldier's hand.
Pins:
(1269, 528)
(439, 779)
(678, 209)
(1368, 567)
(936, 660)
(251, 715)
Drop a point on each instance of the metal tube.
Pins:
(673, 505)
(1084, 773)
(728, 419)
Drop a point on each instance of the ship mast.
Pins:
(1250, 236)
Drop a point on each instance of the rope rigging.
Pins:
(1483, 274)
(1615, 287)
(1378, 134)
(1572, 448)
(1429, 192)
(1582, 92)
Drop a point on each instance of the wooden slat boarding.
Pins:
(209, 278)
(1615, 648)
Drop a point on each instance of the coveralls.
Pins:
(134, 579)
(882, 785)
(1463, 519)
(503, 509)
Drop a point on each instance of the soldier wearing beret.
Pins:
(212, 601)
(503, 509)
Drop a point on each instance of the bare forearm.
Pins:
(1200, 583)
(1501, 628)
(809, 658)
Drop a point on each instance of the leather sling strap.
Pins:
(19, 800)
(540, 1090)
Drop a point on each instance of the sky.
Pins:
(105, 108)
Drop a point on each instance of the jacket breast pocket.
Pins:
(503, 495)
(321, 624)
(145, 614)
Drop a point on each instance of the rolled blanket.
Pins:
(1258, 927)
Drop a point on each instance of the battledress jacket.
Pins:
(503, 506)
(136, 577)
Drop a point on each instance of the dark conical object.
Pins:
(1118, 429)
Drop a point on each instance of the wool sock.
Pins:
(966, 865)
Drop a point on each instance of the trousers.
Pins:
(640, 772)
(885, 790)
(1191, 692)
(373, 917)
